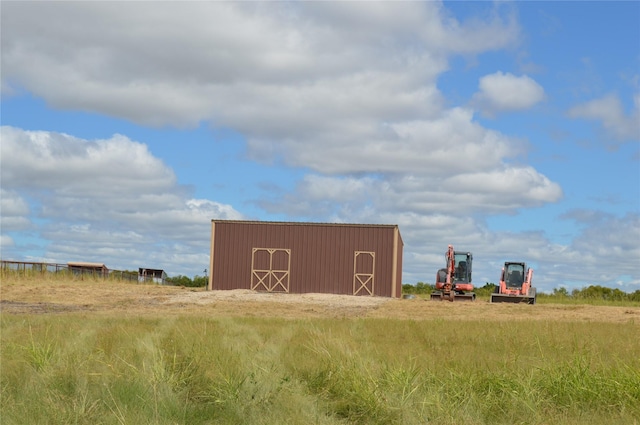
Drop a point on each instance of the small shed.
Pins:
(152, 275)
(85, 268)
(290, 257)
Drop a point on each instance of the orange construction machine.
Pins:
(454, 281)
(515, 285)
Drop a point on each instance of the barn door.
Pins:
(270, 269)
(364, 265)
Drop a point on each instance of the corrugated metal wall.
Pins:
(306, 257)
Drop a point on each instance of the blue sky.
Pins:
(509, 129)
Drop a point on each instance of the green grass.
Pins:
(554, 299)
(83, 369)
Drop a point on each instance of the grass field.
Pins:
(85, 352)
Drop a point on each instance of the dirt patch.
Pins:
(243, 302)
(46, 297)
(245, 295)
(17, 307)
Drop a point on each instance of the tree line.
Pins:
(180, 280)
(597, 292)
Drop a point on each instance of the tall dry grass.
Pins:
(105, 369)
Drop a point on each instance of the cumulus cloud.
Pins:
(608, 110)
(54, 161)
(504, 189)
(6, 241)
(336, 88)
(99, 197)
(608, 246)
(504, 92)
(14, 210)
(288, 76)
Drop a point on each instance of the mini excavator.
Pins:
(454, 281)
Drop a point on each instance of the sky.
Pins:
(507, 129)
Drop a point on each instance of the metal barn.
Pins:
(354, 259)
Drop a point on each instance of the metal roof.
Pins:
(303, 223)
(86, 264)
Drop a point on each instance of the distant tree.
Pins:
(179, 281)
(408, 288)
(418, 288)
(597, 292)
(560, 292)
(486, 290)
(200, 281)
(196, 282)
(619, 295)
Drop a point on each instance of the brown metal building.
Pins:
(354, 259)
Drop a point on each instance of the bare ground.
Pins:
(54, 297)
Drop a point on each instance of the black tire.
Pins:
(533, 295)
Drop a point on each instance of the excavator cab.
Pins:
(462, 267)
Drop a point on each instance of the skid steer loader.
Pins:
(454, 281)
(515, 285)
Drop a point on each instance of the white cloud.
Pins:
(449, 142)
(100, 198)
(6, 241)
(54, 161)
(500, 92)
(292, 73)
(610, 113)
(517, 185)
(336, 88)
(14, 211)
(607, 248)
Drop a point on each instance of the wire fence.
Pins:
(32, 268)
